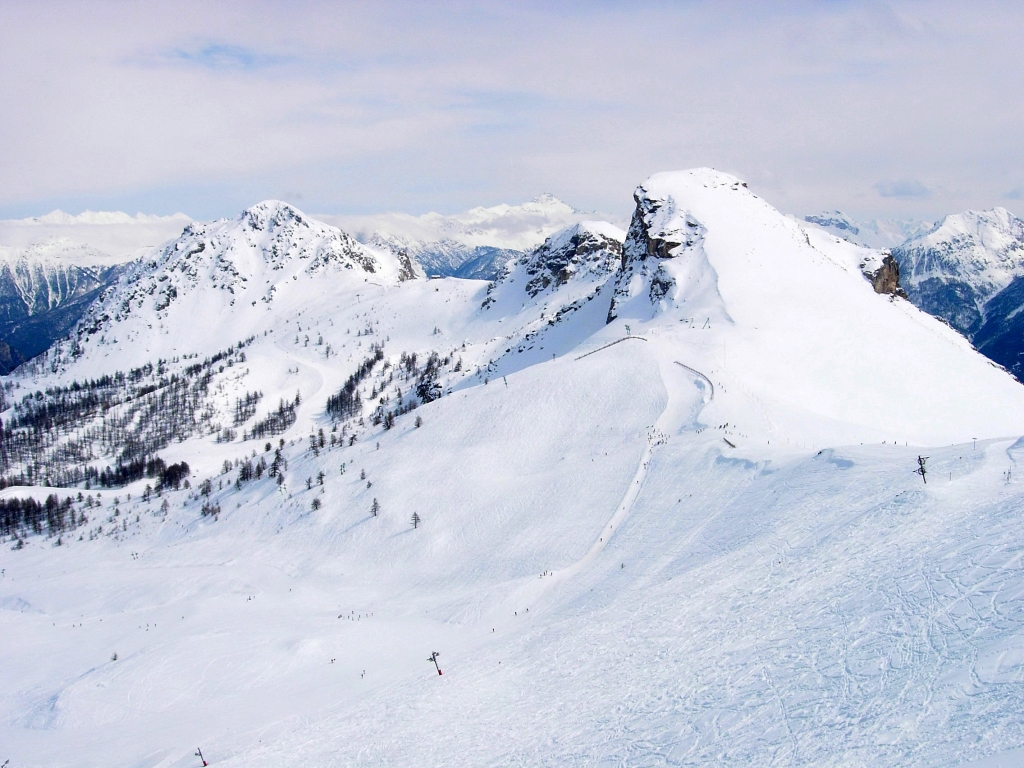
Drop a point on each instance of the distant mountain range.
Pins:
(967, 269)
(476, 244)
(876, 233)
(44, 290)
(53, 267)
(56, 265)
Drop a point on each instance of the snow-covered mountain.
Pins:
(45, 288)
(55, 265)
(969, 270)
(222, 279)
(475, 244)
(876, 233)
(448, 258)
(959, 265)
(643, 492)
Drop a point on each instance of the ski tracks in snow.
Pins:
(679, 413)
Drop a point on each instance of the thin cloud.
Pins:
(908, 188)
(207, 107)
(1015, 194)
(223, 56)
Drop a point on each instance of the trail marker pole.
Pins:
(433, 658)
(199, 754)
(920, 468)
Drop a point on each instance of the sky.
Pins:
(889, 110)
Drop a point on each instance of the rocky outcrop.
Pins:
(578, 249)
(886, 279)
(656, 234)
(585, 254)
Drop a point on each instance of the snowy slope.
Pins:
(699, 541)
(55, 265)
(793, 328)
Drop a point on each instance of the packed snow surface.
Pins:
(667, 502)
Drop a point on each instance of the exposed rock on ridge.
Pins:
(886, 279)
(656, 234)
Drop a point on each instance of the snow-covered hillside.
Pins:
(663, 485)
(220, 282)
(55, 265)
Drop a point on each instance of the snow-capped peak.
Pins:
(227, 275)
(984, 249)
(994, 231)
(961, 263)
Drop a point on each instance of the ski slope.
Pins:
(700, 543)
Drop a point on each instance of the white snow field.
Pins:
(696, 541)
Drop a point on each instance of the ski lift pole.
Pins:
(199, 754)
(921, 469)
(433, 658)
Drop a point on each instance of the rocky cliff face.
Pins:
(886, 279)
(581, 249)
(658, 233)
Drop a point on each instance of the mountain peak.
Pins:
(695, 178)
(271, 214)
(993, 228)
